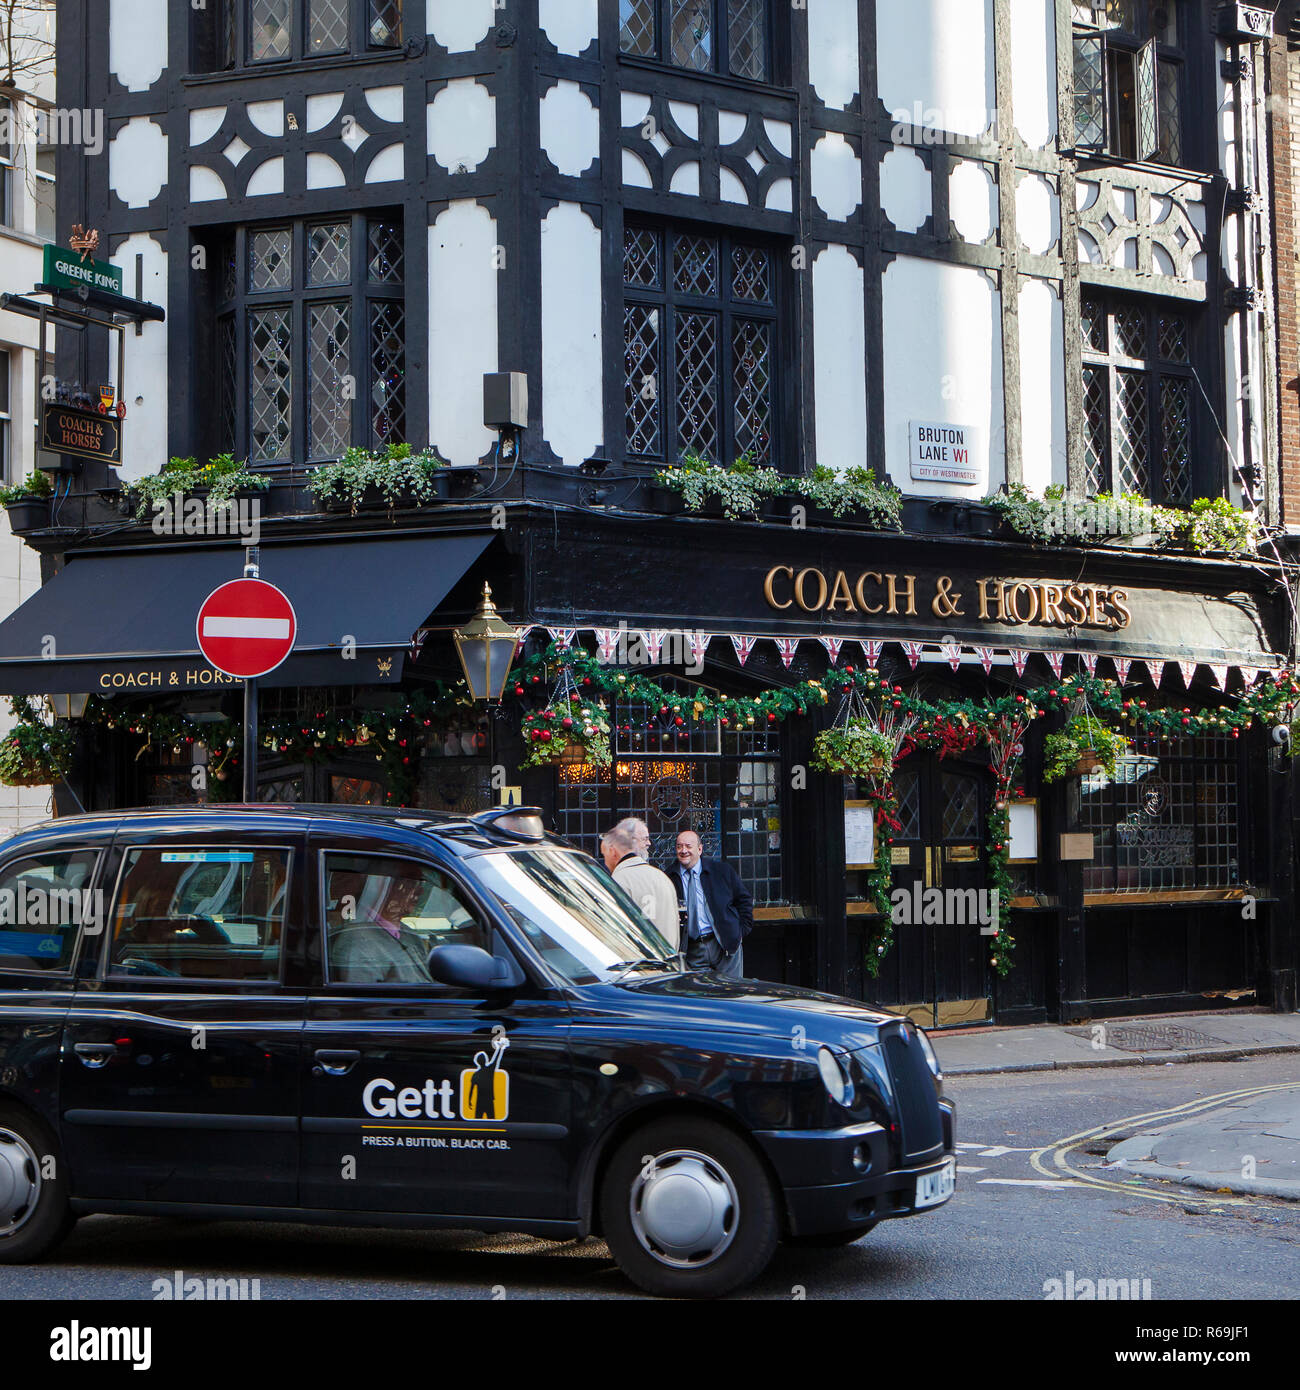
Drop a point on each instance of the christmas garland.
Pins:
(948, 728)
(395, 736)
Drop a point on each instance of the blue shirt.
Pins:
(703, 917)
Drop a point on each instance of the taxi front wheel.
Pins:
(688, 1209)
(34, 1213)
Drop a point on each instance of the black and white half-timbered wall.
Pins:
(814, 233)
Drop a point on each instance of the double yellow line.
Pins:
(1062, 1150)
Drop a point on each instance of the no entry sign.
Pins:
(246, 628)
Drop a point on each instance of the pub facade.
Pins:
(578, 252)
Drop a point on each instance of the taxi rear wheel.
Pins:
(688, 1209)
(34, 1213)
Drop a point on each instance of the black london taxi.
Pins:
(395, 1018)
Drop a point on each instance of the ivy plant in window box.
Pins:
(853, 493)
(1085, 745)
(392, 477)
(28, 502)
(220, 482)
(737, 492)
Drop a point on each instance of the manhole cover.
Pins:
(1147, 1037)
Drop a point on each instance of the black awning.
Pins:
(125, 621)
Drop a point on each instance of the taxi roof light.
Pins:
(523, 822)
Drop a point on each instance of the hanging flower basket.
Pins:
(853, 750)
(32, 753)
(571, 730)
(1084, 746)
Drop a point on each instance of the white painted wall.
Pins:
(462, 328)
(937, 55)
(570, 128)
(144, 435)
(571, 25)
(943, 362)
(462, 125)
(1033, 71)
(137, 42)
(460, 25)
(1042, 385)
(571, 337)
(839, 360)
(137, 162)
(833, 50)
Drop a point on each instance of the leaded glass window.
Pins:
(1170, 818)
(723, 783)
(1128, 79)
(271, 31)
(700, 336)
(726, 36)
(309, 347)
(1137, 399)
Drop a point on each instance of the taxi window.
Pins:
(43, 902)
(201, 913)
(383, 916)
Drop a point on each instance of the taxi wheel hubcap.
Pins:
(684, 1208)
(20, 1181)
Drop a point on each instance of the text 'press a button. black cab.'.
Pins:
(402, 1019)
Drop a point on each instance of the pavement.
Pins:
(1249, 1145)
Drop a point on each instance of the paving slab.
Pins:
(1249, 1146)
(1160, 1039)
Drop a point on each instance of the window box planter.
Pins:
(374, 499)
(28, 514)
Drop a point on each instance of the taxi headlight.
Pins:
(931, 1056)
(834, 1075)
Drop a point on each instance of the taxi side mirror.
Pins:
(470, 967)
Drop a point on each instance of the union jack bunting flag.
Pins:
(912, 650)
(743, 646)
(1019, 659)
(833, 645)
(1121, 664)
(787, 646)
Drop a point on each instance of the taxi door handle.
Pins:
(334, 1062)
(95, 1055)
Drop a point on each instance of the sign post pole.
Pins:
(252, 568)
(246, 628)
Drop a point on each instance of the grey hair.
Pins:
(623, 834)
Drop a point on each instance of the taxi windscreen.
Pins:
(576, 917)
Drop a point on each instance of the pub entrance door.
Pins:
(941, 960)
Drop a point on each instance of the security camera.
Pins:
(1282, 736)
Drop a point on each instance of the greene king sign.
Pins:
(67, 270)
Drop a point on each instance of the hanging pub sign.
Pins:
(83, 433)
(68, 270)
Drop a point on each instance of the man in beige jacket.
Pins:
(624, 851)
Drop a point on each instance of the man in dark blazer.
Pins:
(717, 909)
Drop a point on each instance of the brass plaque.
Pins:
(900, 854)
(961, 854)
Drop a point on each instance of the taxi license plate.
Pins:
(933, 1188)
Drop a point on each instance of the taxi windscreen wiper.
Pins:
(625, 967)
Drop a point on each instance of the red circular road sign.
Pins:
(246, 628)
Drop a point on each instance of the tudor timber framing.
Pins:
(517, 186)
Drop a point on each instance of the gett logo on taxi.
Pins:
(483, 1094)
